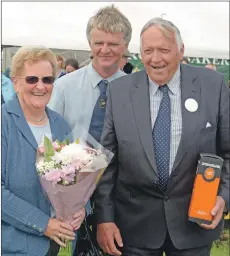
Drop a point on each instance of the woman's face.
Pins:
(59, 63)
(35, 94)
(69, 69)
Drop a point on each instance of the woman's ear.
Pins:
(16, 84)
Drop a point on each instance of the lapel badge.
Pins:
(191, 105)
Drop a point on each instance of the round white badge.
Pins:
(191, 105)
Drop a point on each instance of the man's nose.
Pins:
(105, 48)
(156, 56)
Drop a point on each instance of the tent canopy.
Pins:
(204, 26)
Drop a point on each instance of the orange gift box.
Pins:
(205, 188)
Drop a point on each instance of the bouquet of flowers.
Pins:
(69, 174)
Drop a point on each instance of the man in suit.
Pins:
(165, 117)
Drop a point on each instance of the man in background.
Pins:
(184, 61)
(125, 65)
(211, 66)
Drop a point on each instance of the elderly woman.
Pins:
(27, 226)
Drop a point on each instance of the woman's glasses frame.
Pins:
(34, 79)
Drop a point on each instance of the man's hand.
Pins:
(107, 233)
(217, 213)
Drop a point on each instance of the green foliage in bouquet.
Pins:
(49, 151)
(66, 251)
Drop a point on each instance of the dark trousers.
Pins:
(169, 250)
(54, 249)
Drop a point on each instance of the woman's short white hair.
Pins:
(164, 26)
(110, 19)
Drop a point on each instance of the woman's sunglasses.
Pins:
(35, 79)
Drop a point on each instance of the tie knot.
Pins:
(164, 88)
(103, 86)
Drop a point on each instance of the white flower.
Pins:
(57, 157)
(40, 166)
(66, 160)
(75, 151)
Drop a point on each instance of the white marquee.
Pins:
(204, 25)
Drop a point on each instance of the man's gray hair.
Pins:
(164, 26)
(110, 20)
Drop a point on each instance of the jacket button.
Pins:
(166, 199)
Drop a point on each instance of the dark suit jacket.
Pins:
(128, 193)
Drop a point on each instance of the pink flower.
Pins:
(54, 175)
(69, 169)
(55, 145)
(41, 149)
(69, 178)
(77, 164)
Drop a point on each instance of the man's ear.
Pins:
(182, 52)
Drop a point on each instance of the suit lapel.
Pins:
(141, 107)
(190, 89)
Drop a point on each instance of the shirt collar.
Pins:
(173, 84)
(95, 78)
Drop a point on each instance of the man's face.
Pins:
(107, 48)
(160, 54)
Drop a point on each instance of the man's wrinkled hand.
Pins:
(217, 213)
(107, 234)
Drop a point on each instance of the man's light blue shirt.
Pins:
(7, 88)
(75, 95)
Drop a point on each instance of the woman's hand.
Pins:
(59, 231)
(78, 219)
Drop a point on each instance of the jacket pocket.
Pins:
(13, 240)
(208, 129)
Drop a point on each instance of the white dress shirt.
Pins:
(176, 114)
(75, 95)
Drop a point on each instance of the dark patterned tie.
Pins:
(161, 139)
(97, 120)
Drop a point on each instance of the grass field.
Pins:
(221, 247)
(221, 251)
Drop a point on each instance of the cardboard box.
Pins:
(205, 188)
